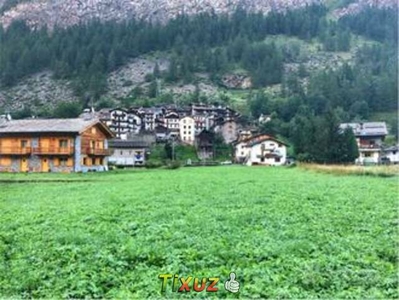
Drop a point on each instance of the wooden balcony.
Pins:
(16, 150)
(53, 151)
(98, 152)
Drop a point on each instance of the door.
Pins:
(24, 165)
(45, 165)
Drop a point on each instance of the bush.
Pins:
(172, 165)
(152, 165)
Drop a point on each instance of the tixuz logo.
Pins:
(191, 283)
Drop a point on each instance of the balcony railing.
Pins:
(99, 152)
(53, 150)
(16, 150)
(370, 146)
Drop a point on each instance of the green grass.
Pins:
(287, 233)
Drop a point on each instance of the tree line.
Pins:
(206, 42)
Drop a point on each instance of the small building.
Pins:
(172, 122)
(148, 116)
(392, 154)
(369, 138)
(187, 130)
(229, 130)
(120, 121)
(54, 145)
(261, 150)
(204, 143)
(128, 153)
(161, 133)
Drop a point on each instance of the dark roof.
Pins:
(161, 129)
(127, 144)
(50, 126)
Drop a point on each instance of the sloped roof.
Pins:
(258, 138)
(77, 125)
(392, 148)
(125, 144)
(367, 128)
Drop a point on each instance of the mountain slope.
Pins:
(71, 12)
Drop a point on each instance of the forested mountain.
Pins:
(285, 62)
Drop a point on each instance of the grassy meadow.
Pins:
(286, 232)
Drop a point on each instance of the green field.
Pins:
(287, 233)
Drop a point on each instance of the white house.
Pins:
(187, 130)
(392, 153)
(128, 153)
(241, 151)
(369, 138)
(261, 150)
(172, 122)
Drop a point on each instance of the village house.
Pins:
(128, 153)
(161, 133)
(148, 116)
(54, 145)
(228, 129)
(172, 123)
(204, 143)
(369, 138)
(187, 130)
(120, 121)
(392, 154)
(261, 149)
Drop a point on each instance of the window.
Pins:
(94, 130)
(185, 127)
(242, 153)
(121, 152)
(367, 154)
(93, 161)
(262, 159)
(63, 143)
(24, 143)
(101, 161)
(279, 145)
(63, 162)
(93, 144)
(277, 159)
(5, 161)
(394, 152)
(85, 161)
